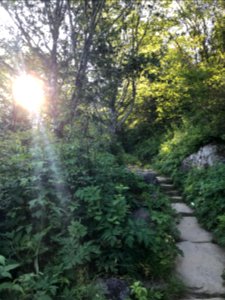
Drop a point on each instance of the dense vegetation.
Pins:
(68, 218)
(125, 82)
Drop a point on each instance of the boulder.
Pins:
(206, 156)
(150, 177)
(115, 288)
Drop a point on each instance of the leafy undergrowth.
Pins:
(67, 218)
(178, 144)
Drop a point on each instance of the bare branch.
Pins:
(7, 66)
(131, 107)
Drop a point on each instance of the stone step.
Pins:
(202, 264)
(200, 268)
(172, 193)
(175, 199)
(182, 209)
(162, 179)
(191, 231)
(167, 186)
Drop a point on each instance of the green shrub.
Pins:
(67, 218)
(179, 143)
(140, 292)
(147, 149)
(173, 289)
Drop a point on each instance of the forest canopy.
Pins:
(119, 62)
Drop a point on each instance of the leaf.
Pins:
(5, 274)
(38, 214)
(11, 267)
(11, 286)
(2, 260)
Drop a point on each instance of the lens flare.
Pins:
(28, 92)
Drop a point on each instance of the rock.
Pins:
(150, 177)
(115, 289)
(201, 268)
(182, 208)
(191, 231)
(206, 156)
(141, 214)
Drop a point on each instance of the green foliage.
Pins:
(67, 210)
(67, 217)
(182, 87)
(6, 268)
(178, 144)
(146, 150)
(139, 291)
(173, 289)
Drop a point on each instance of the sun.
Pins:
(28, 92)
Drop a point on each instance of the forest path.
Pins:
(202, 264)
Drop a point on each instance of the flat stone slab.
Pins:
(191, 231)
(182, 208)
(167, 186)
(201, 268)
(176, 198)
(163, 179)
(171, 192)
